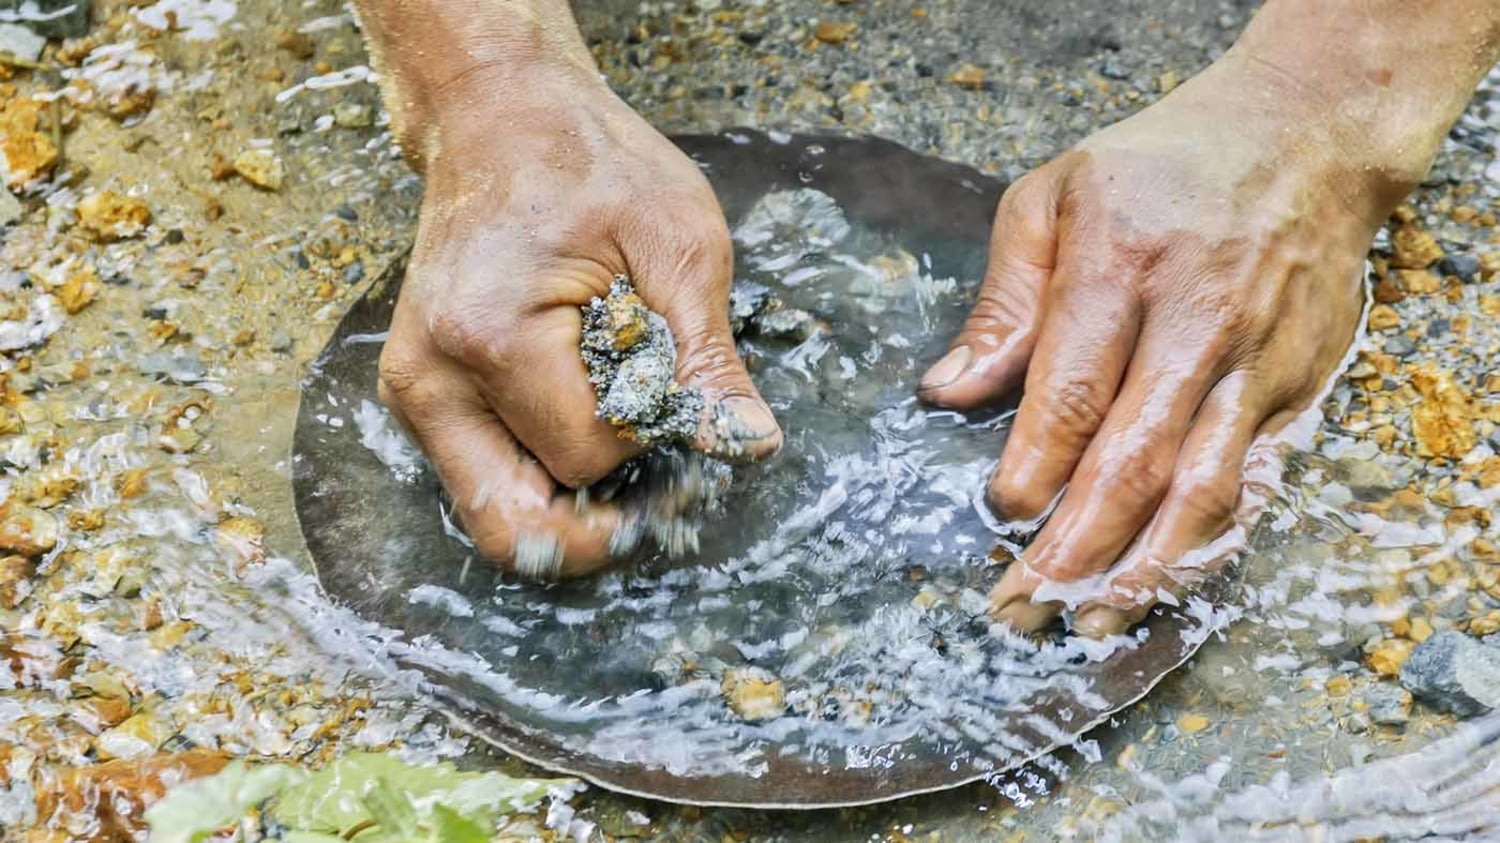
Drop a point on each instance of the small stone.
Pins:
(346, 212)
(968, 76)
(1168, 82)
(136, 736)
(260, 167)
(1400, 346)
(26, 530)
(1413, 248)
(753, 693)
(15, 580)
(1419, 282)
(25, 146)
(1113, 68)
(1387, 656)
(1443, 422)
(1489, 266)
(107, 216)
(352, 115)
(1192, 724)
(184, 367)
(1387, 704)
(834, 32)
(280, 341)
(11, 208)
(21, 42)
(1452, 672)
(1383, 317)
(1463, 267)
(299, 44)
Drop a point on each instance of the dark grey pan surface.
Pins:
(852, 568)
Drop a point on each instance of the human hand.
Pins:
(540, 189)
(1171, 289)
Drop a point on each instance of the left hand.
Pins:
(1171, 289)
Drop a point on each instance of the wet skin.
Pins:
(1169, 291)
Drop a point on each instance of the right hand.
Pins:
(541, 187)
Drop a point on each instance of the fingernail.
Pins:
(1022, 615)
(1101, 621)
(948, 369)
(741, 424)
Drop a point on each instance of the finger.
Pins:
(505, 500)
(528, 368)
(1198, 527)
(1088, 333)
(685, 275)
(1121, 480)
(989, 356)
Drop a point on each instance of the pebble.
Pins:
(753, 693)
(260, 167)
(1465, 267)
(352, 115)
(21, 42)
(107, 216)
(184, 367)
(26, 530)
(1400, 346)
(11, 208)
(1387, 704)
(1452, 672)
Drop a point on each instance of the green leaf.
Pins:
(194, 810)
(449, 827)
(391, 810)
(338, 797)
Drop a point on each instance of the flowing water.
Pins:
(193, 602)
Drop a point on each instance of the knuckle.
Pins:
(1207, 503)
(1074, 407)
(578, 466)
(471, 337)
(400, 372)
(1142, 475)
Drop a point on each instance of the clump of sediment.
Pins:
(632, 361)
(665, 493)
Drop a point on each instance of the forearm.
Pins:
(1396, 74)
(436, 55)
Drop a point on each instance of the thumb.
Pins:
(990, 355)
(691, 290)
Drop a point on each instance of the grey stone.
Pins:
(280, 342)
(1400, 346)
(11, 208)
(49, 18)
(183, 367)
(352, 115)
(21, 42)
(1466, 267)
(1452, 672)
(1387, 704)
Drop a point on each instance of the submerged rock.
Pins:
(1452, 672)
(753, 693)
(1387, 704)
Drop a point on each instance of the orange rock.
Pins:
(1387, 657)
(28, 150)
(1489, 266)
(968, 76)
(1489, 473)
(1413, 248)
(107, 216)
(78, 291)
(110, 799)
(834, 32)
(1383, 316)
(1443, 422)
(1419, 281)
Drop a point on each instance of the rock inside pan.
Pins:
(827, 643)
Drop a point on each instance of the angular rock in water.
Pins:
(49, 18)
(632, 359)
(1387, 704)
(1452, 672)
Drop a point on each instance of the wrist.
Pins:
(442, 61)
